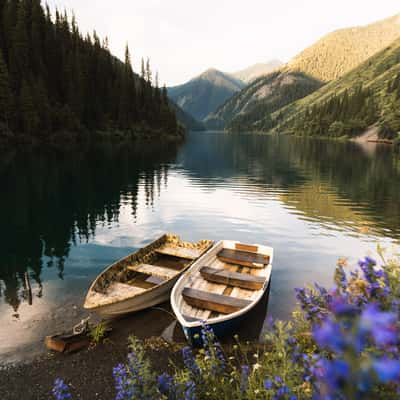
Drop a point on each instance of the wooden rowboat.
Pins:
(221, 288)
(144, 278)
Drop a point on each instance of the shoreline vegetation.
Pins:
(139, 133)
(341, 343)
(59, 85)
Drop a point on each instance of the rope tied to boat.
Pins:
(82, 327)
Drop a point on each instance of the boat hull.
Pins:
(195, 297)
(143, 279)
(225, 328)
(129, 306)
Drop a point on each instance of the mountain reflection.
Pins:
(53, 199)
(326, 181)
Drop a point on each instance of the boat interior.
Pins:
(150, 267)
(229, 280)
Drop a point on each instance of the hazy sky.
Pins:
(185, 37)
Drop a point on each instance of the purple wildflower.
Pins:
(381, 325)
(189, 361)
(268, 384)
(244, 378)
(190, 391)
(61, 390)
(166, 386)
(329, 336)
(121, 382)
(388, 370)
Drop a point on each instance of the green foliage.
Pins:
(346, 114)
(367, 96)
(98, 333)
(54, 80)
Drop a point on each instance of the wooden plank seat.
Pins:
(154, 270)
(213, 302)
(236, 279)
(180, 252)
(245, 258)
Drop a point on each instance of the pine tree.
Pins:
(52, 78)
(5, 92)
(148, 72)
(30, 120)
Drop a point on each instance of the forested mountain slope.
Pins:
(367, 96)
(331, 57)
(205, 93)
(263, 96)
(53, 80)
(340, 51)
(189, 122)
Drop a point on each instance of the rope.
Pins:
(162, 309)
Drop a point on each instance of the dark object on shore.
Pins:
(65, 343)
(79, 339)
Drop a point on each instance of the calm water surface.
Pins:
(68, 214)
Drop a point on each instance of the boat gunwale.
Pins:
(149, 248)
(178, 288)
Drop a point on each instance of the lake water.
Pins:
(67, 214)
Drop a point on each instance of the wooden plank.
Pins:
(214, 302)
(154, 270)
(120, 290)
(140, 284)
(246, 247)
(243, 258)
(245, 281)
(180, 252)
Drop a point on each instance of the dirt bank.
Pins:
(371, 135)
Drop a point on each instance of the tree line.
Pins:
(55, 80)
(347, 113)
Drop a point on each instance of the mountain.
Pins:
(342, 50)
(331, 57)
(367, 98)
(253, 72)
(205, 93)
(263, 96)
(189, 122)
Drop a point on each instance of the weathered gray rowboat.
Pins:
(221, 288)
(144, 278)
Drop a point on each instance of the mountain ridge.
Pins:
(203, 94)
(368, 96)
(330, 57)
(257, 70)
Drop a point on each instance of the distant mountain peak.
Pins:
(210, 72)
(205, 93)
(257, 70)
